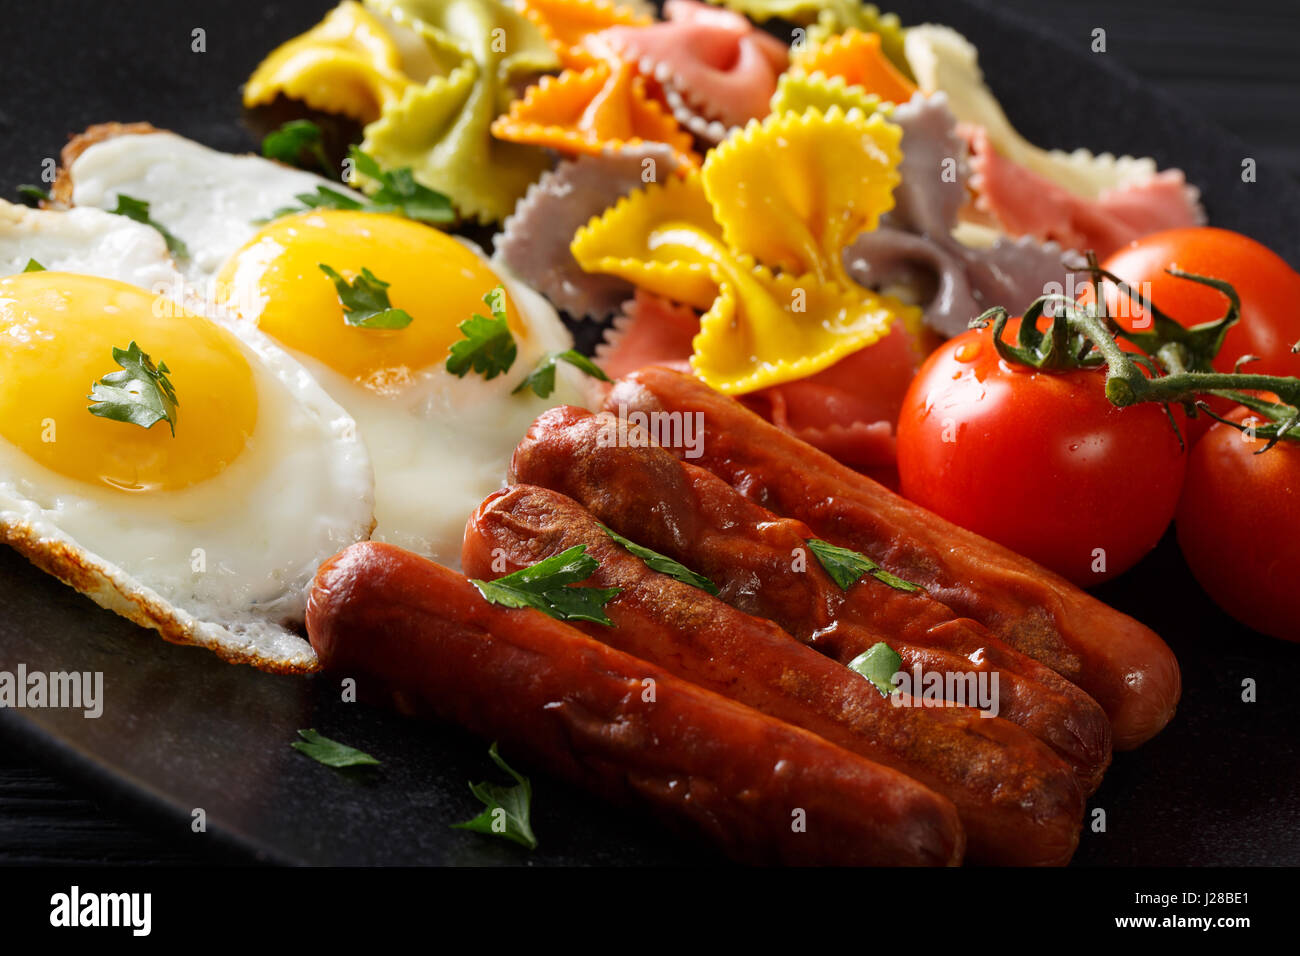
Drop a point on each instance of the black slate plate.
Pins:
(181, 731)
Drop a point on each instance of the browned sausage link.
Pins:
(575, 707)
(1018, 802)
(1121, 663)
(762, 566)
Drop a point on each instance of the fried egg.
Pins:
(212, 201)
(439, 443)
(88, 241)
(211, 535)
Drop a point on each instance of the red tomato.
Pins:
(1239, 526)
(1038, 461)
(1269, 290)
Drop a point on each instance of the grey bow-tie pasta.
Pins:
(888, 257)
(914, 246)
(534, 240)
(933, 170)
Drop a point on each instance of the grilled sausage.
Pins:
(1018, 802)
(762, 566)
(1118, 661)
(702, 763)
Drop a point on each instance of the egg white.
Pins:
(88, 241)
(443, 444)
(212, 201)
(440, 445)
(226, 563)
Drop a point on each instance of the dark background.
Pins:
(1234, 63)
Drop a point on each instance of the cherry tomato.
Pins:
(1268, 287)
(1038, 461)
(1239, 526)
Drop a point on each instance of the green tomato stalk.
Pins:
(1175, 364)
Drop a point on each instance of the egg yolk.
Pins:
(276, 280)
(57, 334)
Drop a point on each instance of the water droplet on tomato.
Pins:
(967, 351)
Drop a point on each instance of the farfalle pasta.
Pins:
(847, 410)
(916, 250)
(915, 246)
(566, 25)
(755, 239)
(650, 330)
(945, 61)
(1023, 203)
(717, 71)
(856, 58)
(797, 91)
(601, 102)
(602, 108)
(829, 17)
(349, 63)
(752, 207)
(428, 77)
(534, 241)
(1088, 189)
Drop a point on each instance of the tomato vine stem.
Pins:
(1174, 364)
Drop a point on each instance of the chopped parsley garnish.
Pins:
(878, 664)
(542, 379)
(140, 394)
(397, 193)
(663, 564)
(33, 266)
(323, 198)
(545, 587)
(365, 301)
(845, 567)
(298, 143)
(488, 347)
(32, 195)
(138, 209)
(330, 752)
(506, 808)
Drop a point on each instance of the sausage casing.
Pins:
(1121, 663)
(1018, 802)
(579, 709)
(762, 565)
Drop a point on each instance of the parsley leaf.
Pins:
(365, 301)
(33, 266)
(542, 379)
(878, 664)
(322, 198)
(845, 567)
(507, 808)
(488, 347)
(545, 587)
(290, 142)
(399, 190)
(330, 752)
(32, 195)
(663, 564)
(138, 210)
(397, 193)
(140, 394)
